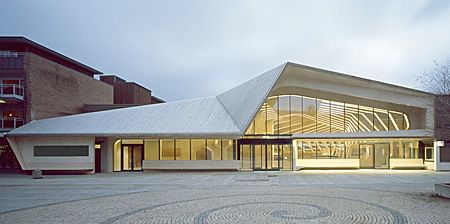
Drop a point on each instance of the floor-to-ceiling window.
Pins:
(294, 114)
(129, 153)
(370, 153)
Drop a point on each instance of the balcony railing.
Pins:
(12, 90)
(10, 123)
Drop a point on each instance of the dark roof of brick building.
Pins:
(21, 44)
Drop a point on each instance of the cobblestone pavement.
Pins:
(357, 196)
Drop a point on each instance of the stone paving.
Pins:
(354, 196)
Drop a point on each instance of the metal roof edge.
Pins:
(233, 135)
(356, 77)
(24, 40)
(419, 133)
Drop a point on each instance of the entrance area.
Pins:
(272, 156)
(132, 156)
(98, 158)
(374, 156)
(263, 157)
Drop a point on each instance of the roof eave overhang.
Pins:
(133, 135)
(358, 78)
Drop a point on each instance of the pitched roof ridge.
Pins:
(229, 115)
(237, 98)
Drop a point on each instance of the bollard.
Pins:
(37, 174)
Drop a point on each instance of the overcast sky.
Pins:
(189, 49)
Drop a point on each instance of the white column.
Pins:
(294, 154)
(437, 156)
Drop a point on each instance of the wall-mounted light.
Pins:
(2, 101)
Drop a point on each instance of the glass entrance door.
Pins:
(265, 154)
(265, 157)
(261, 157)
(374, 156)
(132, 157)
(366, 158)
(382, 156)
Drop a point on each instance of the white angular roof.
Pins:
(227, 115)
(244, 101)
(204, 117)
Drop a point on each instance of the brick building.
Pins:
(126, 94)
(442, 129)
(38, 83)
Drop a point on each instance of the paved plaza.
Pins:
(307, 196)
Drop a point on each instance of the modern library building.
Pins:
(291, 117)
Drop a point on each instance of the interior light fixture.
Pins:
(2, 101)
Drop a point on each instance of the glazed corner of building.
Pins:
(288, 118)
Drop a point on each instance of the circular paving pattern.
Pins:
(246, 204)
(271, 208)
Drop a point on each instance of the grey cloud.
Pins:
(188, 49)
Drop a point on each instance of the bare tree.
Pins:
(436, 79)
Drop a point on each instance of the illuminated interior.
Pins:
(266, 157)
(350, 149)
(129, 153)
(285, 115)
(293, 114)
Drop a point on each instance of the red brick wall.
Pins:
(53, 90)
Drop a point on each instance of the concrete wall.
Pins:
(53, 90)
(430, 165)
(110, 153)
(24, 151)
(406, 164)
(444, 167)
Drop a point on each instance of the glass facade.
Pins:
(168, 150)
(285, 115)
(128, 152)
(228, 149)
(268, 143)
(151, 149)
(370, 154)
(326, 149)
(351, 149)
(294, 114)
